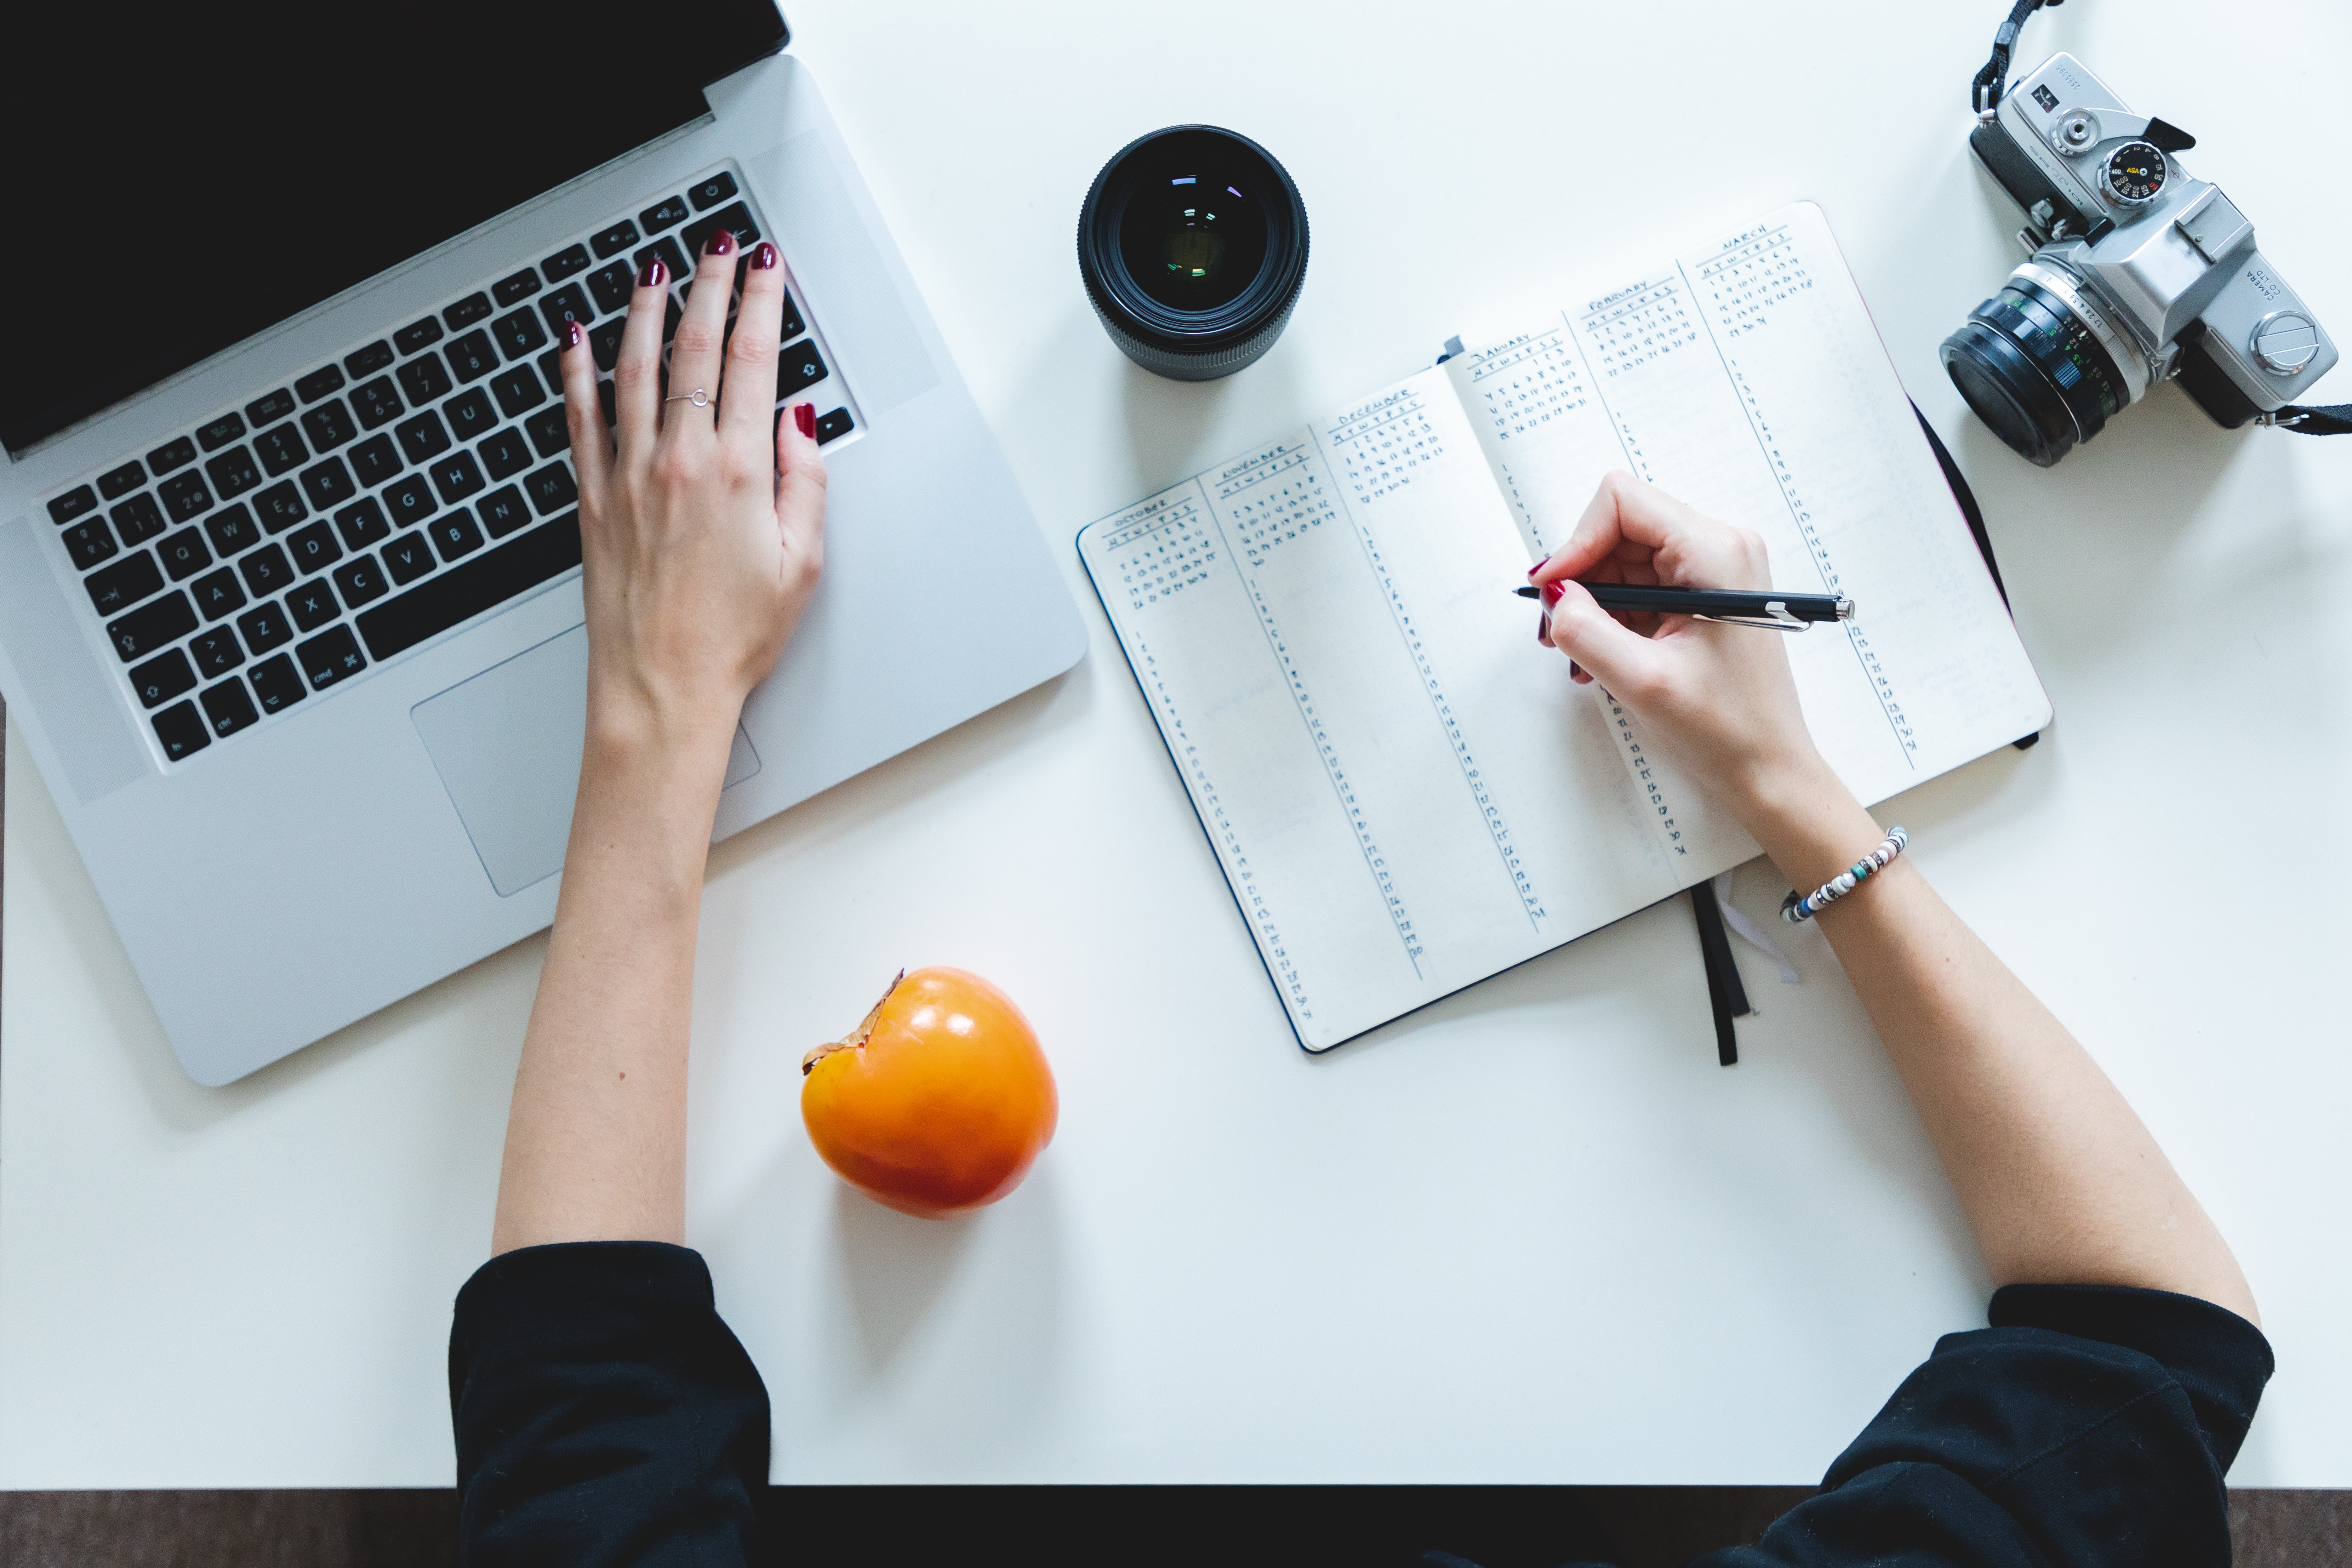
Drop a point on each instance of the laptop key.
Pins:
(328, 484)
(312, 606)
(265, 628)
(503, 512)
(312, 548)
(550, 431)
(281, 507)
(234, 472)
(116, 483)
(616, 240)
(327, 378)
(221, 432)
(407, 558)
(457, 477)
(162, 677)
(521, 285)
(832, 427)
(518, 332)
(330, 657)
(612, 285)
(737, 218)
(485, 582)
(565, 263)
(216, 651)
(185, 496)
(454, 534)
(409, 502)
(376, 356)
(184, 553)
(282, 449)
(171, 455)
(124, 583)
(89, 542)
(798, 367)
(424, 379)
(361, 581)
(551, 489)
(229, 706)
(566, 304)
(270, 407)
(506, 454)
(376, 403)
(217, 593)
(604, 341)
(267, 571)
(423, 438)
(469, 413)
(232, 531)
(181, 730)
(416, 334)
(73, 503)
(712, 191)
(792, 326)
(472, 357)
(152, 626)
(138, 521)
(375, 460)
(329, 425)
(276, 683)
(361, 523)
(664, 250)
(668, 213)
(518, 392)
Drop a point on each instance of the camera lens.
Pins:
(1193, 246)
(2038, 367)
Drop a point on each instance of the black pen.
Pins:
(1776, 611)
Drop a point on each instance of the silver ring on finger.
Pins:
(699, 397)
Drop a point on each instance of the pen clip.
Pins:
(1776, 618)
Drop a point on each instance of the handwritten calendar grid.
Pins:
(1162, 549)
(1528, 385)
(1381, 446)
(1244, 882)
(1275, 505)
(1489, 812)
(1645, 326)
(1749, 282)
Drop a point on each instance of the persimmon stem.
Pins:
(855, 1038)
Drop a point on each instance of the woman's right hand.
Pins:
(1719, 699)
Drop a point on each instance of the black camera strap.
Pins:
(2334, 419)
(1984, 95)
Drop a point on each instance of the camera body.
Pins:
(2137, 272)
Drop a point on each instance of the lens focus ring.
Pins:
(2035, 370)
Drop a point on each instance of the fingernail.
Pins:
(1551, 595)
(765, 256)
(572, 333)
(1574, 669)
(805, 416)
(653, 275)
(721, 242)
(1534, 568)
(1543, 628)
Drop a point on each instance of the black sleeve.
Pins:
(2089, 1426)
(604, 1414)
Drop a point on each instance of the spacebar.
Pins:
(464, 592)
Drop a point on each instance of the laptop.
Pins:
(289, 602)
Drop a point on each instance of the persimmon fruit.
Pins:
(938, 1102)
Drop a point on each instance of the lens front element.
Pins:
(2035, 371)
(1194, 244)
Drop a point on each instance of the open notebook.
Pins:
(1406, 793)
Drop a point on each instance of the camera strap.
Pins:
(1984, 94)
(2334, 419)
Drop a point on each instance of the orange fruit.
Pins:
(938, 1102)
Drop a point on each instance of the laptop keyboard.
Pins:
(292, 543)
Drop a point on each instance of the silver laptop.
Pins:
(289, 605)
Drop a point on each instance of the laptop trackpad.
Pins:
(507, 746)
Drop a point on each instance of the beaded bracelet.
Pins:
(1796, 910)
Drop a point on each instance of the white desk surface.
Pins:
(1533, 1233)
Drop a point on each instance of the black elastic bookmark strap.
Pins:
(1984, 93)
(2336, 419)
(1974, 515)
(1724, 993)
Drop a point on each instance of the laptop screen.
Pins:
(179, 177)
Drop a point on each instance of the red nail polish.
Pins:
(1574, 669)
(1551, 595)
(1543, 628)
(1534, 568)
(572, 333)
(655, 274)
(805, 416)
(765, 256)
(720, 243)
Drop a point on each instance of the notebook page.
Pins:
(1401, 800)
(1746, 377)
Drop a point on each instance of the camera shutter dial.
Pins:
(2075, 133)
(2134, 174)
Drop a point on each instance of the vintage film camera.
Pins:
(2138, 271)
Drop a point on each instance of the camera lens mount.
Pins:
(1192, 248)
(2042, 365)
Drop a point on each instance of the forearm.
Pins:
(2060, 1180)
(596, 1137)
